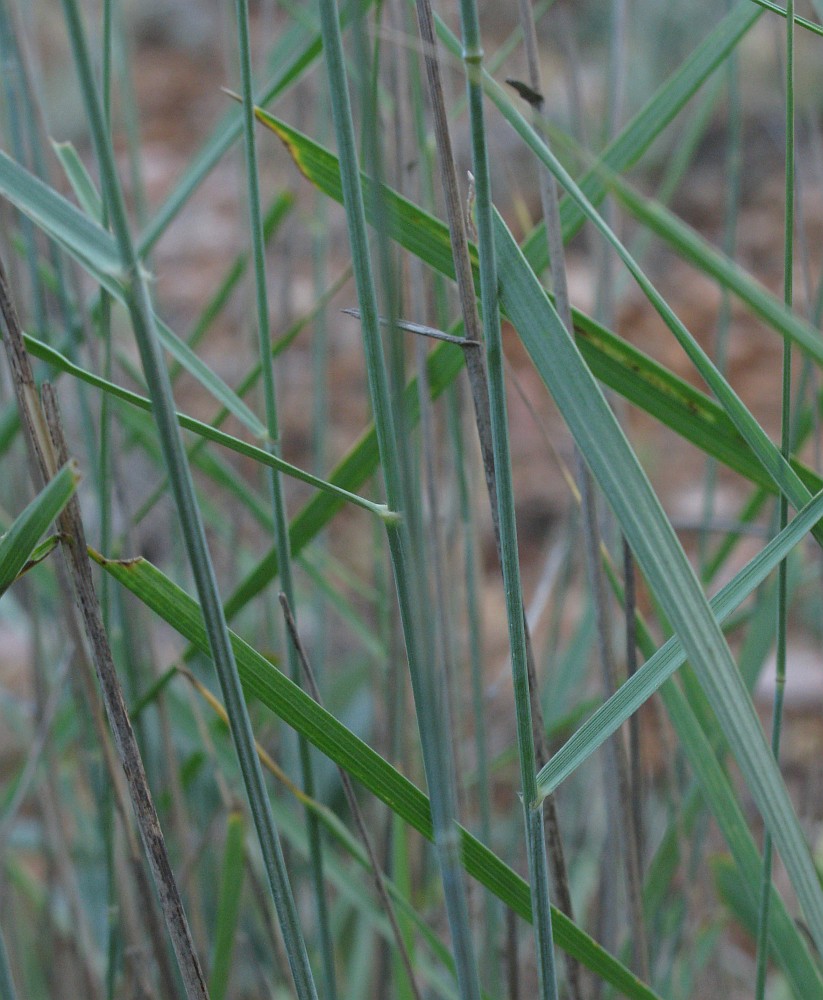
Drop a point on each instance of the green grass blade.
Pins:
(232, 870)
(80, 180)
(67, 225)
(19, 543)
(622, 367)
(533, 809)
(203, 430)
(669, 657)
(274, 479)
(94, 248)
(660, 556)
(273, 689)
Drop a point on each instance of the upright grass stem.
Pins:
(275, 484)
(413, 615)
(480, 395)
(551, 218)
(535, 836)
(621, 792)
(783, 504)
(143, 322)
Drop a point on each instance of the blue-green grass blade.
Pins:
(94, 248)
(627, 148)
(659, 554)
(671, 656)
(296, 51)
(801, 22)
(83, 238)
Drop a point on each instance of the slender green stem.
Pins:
(535, 837)
(414, 615)
(146, 334)
(783, 504)
(732, 210)
(281, 528)
(475, 653)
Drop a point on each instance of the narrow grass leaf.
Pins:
(203, 430)
(637, 377)
(671, 656)
(77, 233)
(81, 183)
(18, 544)
(232, 870)
(274, 690)
(659, 554)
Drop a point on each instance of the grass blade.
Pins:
(86, 240)
(20, 541)
(263, 681)
(671, 656)
(660, 556)
(157, 377)
(203, 430)
(232, 870)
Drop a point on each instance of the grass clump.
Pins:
(264, 744)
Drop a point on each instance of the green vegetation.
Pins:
(298, 716)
